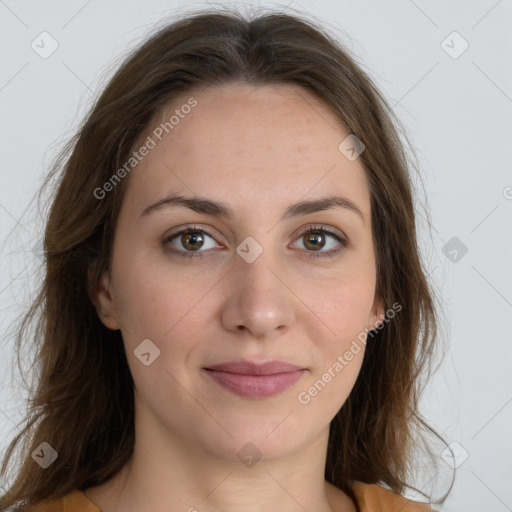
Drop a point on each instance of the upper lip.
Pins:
(255, 368)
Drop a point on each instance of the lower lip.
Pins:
(255, 386)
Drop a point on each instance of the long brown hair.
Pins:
(83, 404)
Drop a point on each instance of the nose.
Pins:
(260, 298)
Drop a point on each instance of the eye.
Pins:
(192, 240)
(316, 238)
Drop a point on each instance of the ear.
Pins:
(103, 300)
(377, 314)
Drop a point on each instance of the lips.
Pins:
(255, 368)
(255, 380)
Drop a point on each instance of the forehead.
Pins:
(246, 145)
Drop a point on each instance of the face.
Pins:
(249, 286)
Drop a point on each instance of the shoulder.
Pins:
(74, 501)
(374, 498)
(370, 498)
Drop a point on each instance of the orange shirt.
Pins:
(370, 498)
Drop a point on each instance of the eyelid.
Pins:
(189, 228)
(320, 227)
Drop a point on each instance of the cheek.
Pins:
(340, 303)
(162, 311)
(338, 334)
(337, 326)
(154, 303)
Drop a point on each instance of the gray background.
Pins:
(458, 113)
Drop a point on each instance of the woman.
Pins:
(235, 313)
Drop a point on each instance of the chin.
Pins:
(254, 439)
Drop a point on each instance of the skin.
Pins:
(258, 149)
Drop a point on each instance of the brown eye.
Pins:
(192, 240)
(314, 241)
(316, 238)
(189, 241)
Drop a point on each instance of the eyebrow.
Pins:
(220, 209)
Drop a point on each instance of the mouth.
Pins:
(255, 380)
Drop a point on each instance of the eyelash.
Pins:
(313, 229)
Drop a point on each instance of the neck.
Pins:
(168, 473)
